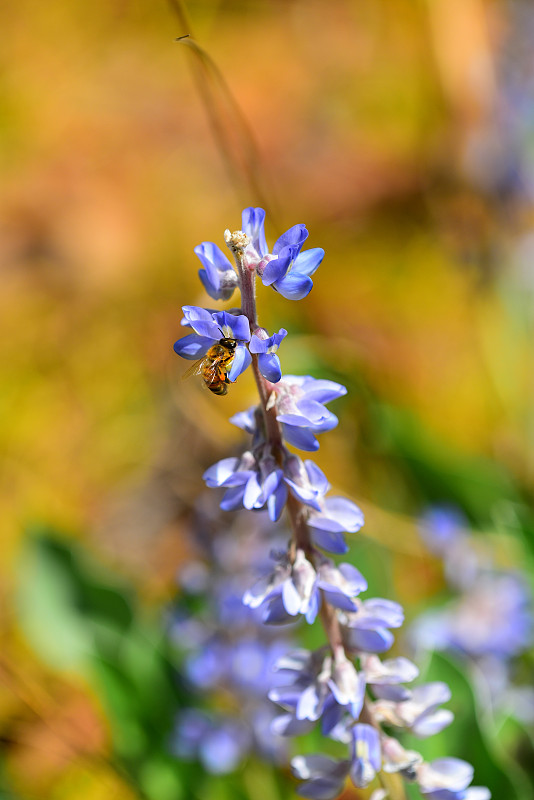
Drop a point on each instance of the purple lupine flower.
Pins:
(337, 514)
(208, 666)
(210, 328)
(419, 713)
(340, 585)
(367, 629)
(323, 776)
(318, 687)
(220, 744)
(330, 516)
(289, 590)
(395, 758)
(250, 483)
(366, 755)
(347, 686)
(385, 677)
(218, 277)
(493, 618)
(306, 480)
(266, 347)
(449, 779)
(443, 531)
(324, 684)
(295, 588)
(287, 269)
(299, 402)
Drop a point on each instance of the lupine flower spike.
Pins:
(343, 686)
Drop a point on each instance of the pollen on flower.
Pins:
(237, 240)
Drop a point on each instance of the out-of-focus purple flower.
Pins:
(395, 758)
(208, 666)
(385, 677)
(420, 713)
(449, 779)
(266, 347)
(300, 406)
(443, 531)
(441, 527)
(323, 776)
(218, 276)
(367, 628)
(220, 744)
(493, 618)
(490, 621)
(366, 755)
(210, 328)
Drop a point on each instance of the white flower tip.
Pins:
(237, 240)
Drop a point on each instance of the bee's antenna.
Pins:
(185, 36)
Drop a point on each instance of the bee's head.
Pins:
(231, 344)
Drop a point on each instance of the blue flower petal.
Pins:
(214, 261)
(338, 599)
(245, 420)
(269, 365)
(293, 238)
(232, 326)
(307, 262)
(276, 269)
(302, 438)
(233, 498)
(294, 286)
(304, 494)
(316, 476)
(313, 607)
(223, 292)
(219, 472)
(252, 493)
(201, 321)
(323, 391)
(339, 515)
(193, 346)
(331, 541)
(241, 361)
(277, 501)
(252, 223)
(275, 612)
(371, 641)
(291, 598)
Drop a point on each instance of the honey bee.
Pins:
(215, 365)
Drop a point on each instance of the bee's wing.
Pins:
(195, 368)
(211, 372)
